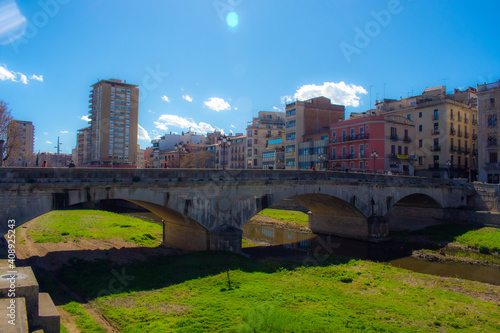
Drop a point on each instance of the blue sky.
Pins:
(213, 64)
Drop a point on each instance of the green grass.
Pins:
(437, 233)
(353, 297)
(191, 293)
(64, 225)
(288, 216)
(486, 240)
(83, 320)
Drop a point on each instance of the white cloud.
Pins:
(217, 104)
(85, 118)
(235, 108)
(12, 22)
(165, 98)
(48, 142)
(142, 134)
(38, 78)
(286, 99)
(232, 126)
(167, 120)
(275, 108)
(23, 78)
(338, 93)
(6, 74)
(64, 132)
(45, 133)
(187, 98)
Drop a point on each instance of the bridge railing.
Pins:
(121, 176)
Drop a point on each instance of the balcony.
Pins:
(474, 153)
(466, 135)
(474, 121)
(474, 136)
(459, 118)
(453, 148)
(394, 137)
(407, 139)
(491, 143)
(435, 131)
(460, 150)
(436, 148)
(466, 121)
(452, 117)
(466, 150)
(434, 117)
(460, 134)
(452, 131)
(492, 123)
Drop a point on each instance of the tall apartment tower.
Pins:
(24, 134)
(114, 112)
(305, 118)
(83, 146)
(488, 97)
(259, 130)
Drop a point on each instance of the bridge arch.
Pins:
(415, 211)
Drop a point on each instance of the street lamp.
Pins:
(225, 143)
(448, 165)
(374, 154)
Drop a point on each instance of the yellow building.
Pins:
(446, 130)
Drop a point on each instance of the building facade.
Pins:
(314, 151)
(259, 130)
(304, 118)
(273, 156)
(488, 96)
(114, 111)
(446, 130)
(23, 135)
(379, 143)
(83, 146)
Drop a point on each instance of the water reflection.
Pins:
(272, 241)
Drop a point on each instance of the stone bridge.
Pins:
(204, 209)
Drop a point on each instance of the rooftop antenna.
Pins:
(58, 150)
(371, 85)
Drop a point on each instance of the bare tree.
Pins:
(13, 148)
(198, 158)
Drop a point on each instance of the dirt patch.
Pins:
(258, 219)
(51, 256)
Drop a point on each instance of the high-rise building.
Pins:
(83, 146)
(259, 130)
(488, 97)
(22, 134)
(114, 112)
(306, 118)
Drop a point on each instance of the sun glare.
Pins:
(232, 19)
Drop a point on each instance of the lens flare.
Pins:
(232, 19)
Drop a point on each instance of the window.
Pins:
(344, 134)
(334, 137)
(352, 151)
(419, 143)
(334, 153)
(494, 157)
(394, 133)
(408, 116)
(436, 114)
(420, 114)
(420, 160)
(420, 128)
(290, 113)
(290, 149)
(352, 133)
(290, 136)
(344, 151)
(406, 150)
(492, 102)
(361, 151)
(290, 123)
(400, 152)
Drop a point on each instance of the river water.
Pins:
(276, 242)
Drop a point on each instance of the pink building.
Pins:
(381, 143)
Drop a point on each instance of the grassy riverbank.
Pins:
(282, 217)
(224, 292)
(63, 225)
